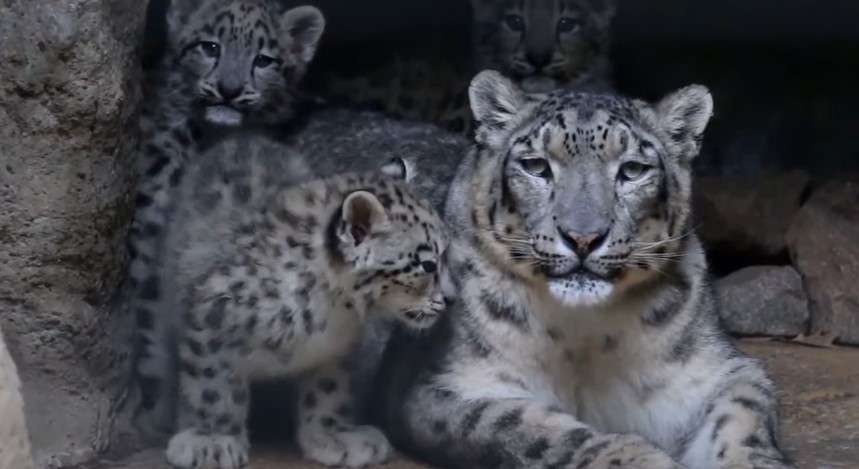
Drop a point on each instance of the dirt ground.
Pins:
(819, 391)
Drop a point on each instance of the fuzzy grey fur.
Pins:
(585, 333)
(546, 44)
(194, 98)
(263, 278)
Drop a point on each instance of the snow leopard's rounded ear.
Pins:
(400, 168)
(362, 214)
(304, 25)
(495, 101)
(684, 116)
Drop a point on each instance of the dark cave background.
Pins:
(783, 73)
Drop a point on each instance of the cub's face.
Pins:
(395, 243)
(593, 191)
(242, 59)
(543, 44)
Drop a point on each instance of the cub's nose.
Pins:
(229, 92)
(583, 243)
(539, 59)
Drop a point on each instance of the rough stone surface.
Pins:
(818, 389)
(766, 301)
(343, 140)
(68, 98)
(824, 245)
(15, 450)
(742, 221)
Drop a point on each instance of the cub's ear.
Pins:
(684, 115)
(363, 214)
(495, 101)
(304, 25)
(178, 13)
(400, 168)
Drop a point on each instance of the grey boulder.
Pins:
(763, 301)
(824, 246)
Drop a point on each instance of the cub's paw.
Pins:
(344, 446)
(190, 450)
(628, 452)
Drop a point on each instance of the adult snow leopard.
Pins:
(585, 333)
(229, 65)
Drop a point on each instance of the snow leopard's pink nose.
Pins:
(583, 243)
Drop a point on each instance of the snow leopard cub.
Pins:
(270, 279)
(229, 66)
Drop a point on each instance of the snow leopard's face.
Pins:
(592, 191)
(395, 242)
(543, 44)
(241, 60)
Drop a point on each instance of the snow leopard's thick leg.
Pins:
(520, 432)
(739, 429)
(214, 393)
(327, 432)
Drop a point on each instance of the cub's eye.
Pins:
(632, 171)
(538, 167)
(210, 49)
(429, 266)
(515, 22)
(263, 61)
(568, 25)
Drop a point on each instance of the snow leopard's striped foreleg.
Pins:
(495, 432)
(739, 428)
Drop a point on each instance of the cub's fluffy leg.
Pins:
(326, 427)
(214, 394)
(493, 432)
(739, 428)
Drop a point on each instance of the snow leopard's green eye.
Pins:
(210, 49)
(515, 22)
(538, 167)
(633, 171)
(263, 61)
(568, 25)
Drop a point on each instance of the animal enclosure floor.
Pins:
(819, 391)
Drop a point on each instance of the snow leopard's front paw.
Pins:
(190, 450)
(629, 452)
(349, 446)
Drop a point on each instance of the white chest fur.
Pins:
(605, 367)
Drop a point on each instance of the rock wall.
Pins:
(68, 99)
(15, 451)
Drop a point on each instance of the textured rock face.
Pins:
(68, 98)
(764, 301)
(824, 245)
(15, 451)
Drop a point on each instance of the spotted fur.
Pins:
(268, 279)
(230, 65)
(540, 44)
(585, 334)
